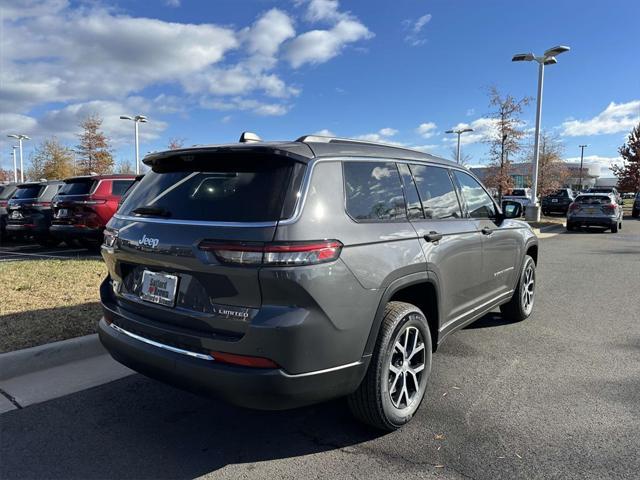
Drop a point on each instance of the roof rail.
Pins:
(325, 139)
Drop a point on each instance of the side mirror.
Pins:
(511, 209)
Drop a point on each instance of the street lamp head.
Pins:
(583, 146)
(523, 57)
(449, 131)
(140, 118)
(125, 117)
(460, 130)
(14, 136)
(19, 137)
(557, 50)
(550, 60)
(464, 130)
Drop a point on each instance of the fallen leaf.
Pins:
(500, 457)
(439, 448)
(444, 394)
(439, 466)
(439, 436)
(456, 388)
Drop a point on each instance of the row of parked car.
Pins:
(75, 210)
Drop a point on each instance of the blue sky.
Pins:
(399, 71)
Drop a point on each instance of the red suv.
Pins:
(84, 205)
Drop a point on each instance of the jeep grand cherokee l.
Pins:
(277, 275)
(84, 205)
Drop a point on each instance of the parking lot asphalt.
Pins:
(21, 251)
(555, 396)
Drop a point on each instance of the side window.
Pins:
(439, 198)
(374, 191)
(118, 187)
(414, 207)
(478, 201)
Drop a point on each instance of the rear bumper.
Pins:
(264, 389)
(30, 228)
(75, 232)
(593, 221)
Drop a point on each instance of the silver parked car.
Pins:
(595, 210)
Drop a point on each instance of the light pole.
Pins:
(15, 165)
(582, 147)
(137, 119)
(459, 132)
(20, 137)
(548, 58)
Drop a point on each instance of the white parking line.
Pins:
(42, 254)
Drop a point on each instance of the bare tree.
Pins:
(552, 171)
(125, 166)
(465, 158)
(175, 143)
(94, 152)
(505, 142)
(37, 160)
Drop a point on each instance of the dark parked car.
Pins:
(30, 211)
(282, 274)
(635, 211)
(557, 202)
(84, 205)
(6, 192)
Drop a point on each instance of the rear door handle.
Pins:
(433, 237)
(487, 231)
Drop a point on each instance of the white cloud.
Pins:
(387, 132)
(604, 163)
(483, 129)
(319, 10)
(414, 29)
(244, 104)
(319, 46)
(426, 130)
(617, 117)
(172, 3)
(325, 132)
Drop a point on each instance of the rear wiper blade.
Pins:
(151, 211)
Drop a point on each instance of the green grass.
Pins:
(44, 301)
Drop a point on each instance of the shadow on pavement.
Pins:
(491, 319)
(138, 428)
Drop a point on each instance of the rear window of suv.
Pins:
(31, 191)
(593, 200)
(227, 189)
(77, 187)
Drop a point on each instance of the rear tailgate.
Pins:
(230, 197)
(71, 203)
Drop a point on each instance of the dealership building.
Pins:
(521, 173)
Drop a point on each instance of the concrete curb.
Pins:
(29, 360)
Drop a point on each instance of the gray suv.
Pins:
(276, 275)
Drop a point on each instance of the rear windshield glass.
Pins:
(519, 193)
(28, 192)
(594, 200)
(560, 193)
(214, 189)
(6, 191)
(82, 187)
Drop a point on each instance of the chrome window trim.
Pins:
(201, 223)
(201, 356)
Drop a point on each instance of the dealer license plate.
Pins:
(159, 288)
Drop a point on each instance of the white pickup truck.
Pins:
(521, 195)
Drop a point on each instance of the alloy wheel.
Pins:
(406, 368)
(528, 288)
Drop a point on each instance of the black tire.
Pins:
(517, 309)
(48, 241)
(635, 213)
(614, 228)
(570, 227)
(91, 245)
(373, 402)
(545, 213)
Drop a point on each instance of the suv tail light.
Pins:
(574, 206)
(611, 207)
(276, 253)
(4, 203)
